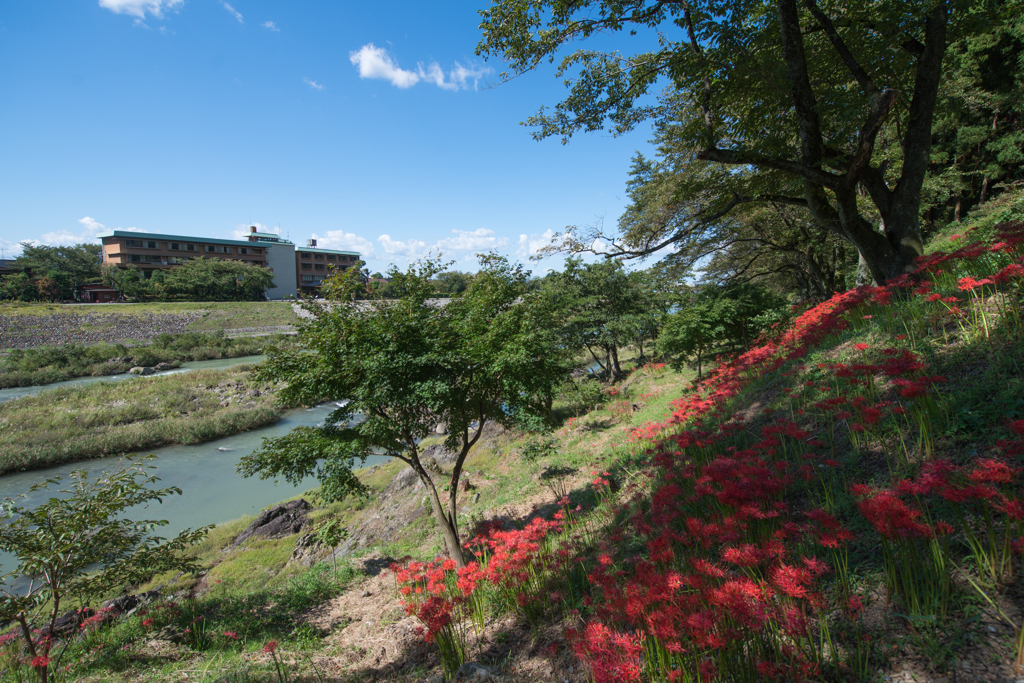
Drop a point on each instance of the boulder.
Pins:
(277, 522)
(69, 622)
(163, 367)
(441, 428)
(139, 370)
(439, 454)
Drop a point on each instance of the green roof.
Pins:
(327, 251)
(176, 238)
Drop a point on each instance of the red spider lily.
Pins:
(969, 283)
(270, 647)
(893, 518)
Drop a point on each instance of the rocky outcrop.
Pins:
(277, 522)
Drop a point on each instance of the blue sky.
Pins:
(371, 126)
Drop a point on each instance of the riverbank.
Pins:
(25, 326)
(49, 364)
(107, 418)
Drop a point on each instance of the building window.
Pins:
(306, 255)
(319, 266)
(174, 246)
(319, 257)
(151, 245)
(133, 243)
(307, 266)
(257, 250)
(152, 258)
(190, 247)
(243, 250)
(135, 258)
(209, 248)
(330, 257)
(307, 278)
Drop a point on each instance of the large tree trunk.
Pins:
(831, 195)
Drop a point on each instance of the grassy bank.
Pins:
(107, 418)
(47, 364)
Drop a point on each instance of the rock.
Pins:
(441, 428)
(403, 480)
(471, 671)
(476, 498)
(122, 604)
(163, 367)
(277, 522)
(306, 549)
(68, 622)
(439, 454)
(255, 393)
(139, 370)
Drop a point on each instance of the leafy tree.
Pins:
(452, 282)
(78, 545)
(602, 308)
(829, 104)
(18, 287)
(203, 279)
(350, 283)
(770, 242)
(128, 281)
(489, 354)
(715, 319)
(979, 125)
(67, 268)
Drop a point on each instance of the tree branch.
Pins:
(840, 47)
(811, 173)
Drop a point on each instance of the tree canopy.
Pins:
(825, 105)
(198, 279)
(405, 365)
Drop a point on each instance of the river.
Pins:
(212, 491)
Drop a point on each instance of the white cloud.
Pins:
(10, 249)
(64, 237)
(530, 245)
(139, 8)
(313, 84)
(346, 241)
(375, 62)
(271, 25)
(462, 74)
(412, 249)
(480, 239)
(235, 13)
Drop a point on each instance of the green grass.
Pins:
(103, 419)
(48, 364)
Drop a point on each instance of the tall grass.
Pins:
(48, 364)
(108, 418)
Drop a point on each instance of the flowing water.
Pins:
(219, 364)
(212, 491)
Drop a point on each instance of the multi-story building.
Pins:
(313, 264)
(293, 270)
